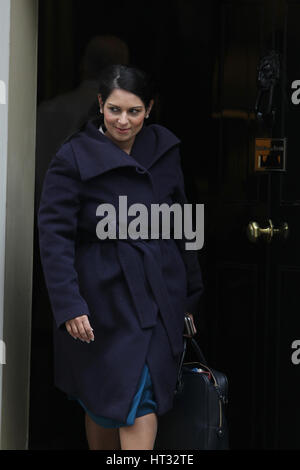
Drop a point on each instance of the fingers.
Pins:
(88, 330)
(80, 328)
(69, 329)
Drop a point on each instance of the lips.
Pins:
(123, 130)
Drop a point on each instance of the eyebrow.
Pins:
(129, 108)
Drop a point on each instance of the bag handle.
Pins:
(200, 357)
(198, 351)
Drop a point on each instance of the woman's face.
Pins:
(124, 114)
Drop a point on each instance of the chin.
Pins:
(122, 137)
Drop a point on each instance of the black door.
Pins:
(252, 303)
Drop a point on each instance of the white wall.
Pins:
(4, 74)
(18, 58)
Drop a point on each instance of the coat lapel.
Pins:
(96, 154)
(151, 143)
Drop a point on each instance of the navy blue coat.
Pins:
(135, 292)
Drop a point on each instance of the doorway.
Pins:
(164, 39)
(205, 62)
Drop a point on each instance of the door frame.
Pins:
(18, 75)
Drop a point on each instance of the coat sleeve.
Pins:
(57, 226)
(190, 257)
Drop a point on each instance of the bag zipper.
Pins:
(217, 388)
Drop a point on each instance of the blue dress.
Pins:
(142, 404)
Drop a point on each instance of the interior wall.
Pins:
(17, 214)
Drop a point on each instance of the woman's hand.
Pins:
(192, 318)
(80, 327)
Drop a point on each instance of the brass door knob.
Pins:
(255, 232)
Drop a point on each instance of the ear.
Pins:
(149, 108)
(100, 101)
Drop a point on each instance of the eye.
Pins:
(114, 109)
(135, 111)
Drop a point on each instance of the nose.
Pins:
(123, 118)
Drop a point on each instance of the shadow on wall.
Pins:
(62, 115)
(56, 119)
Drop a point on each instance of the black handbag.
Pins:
(197, 420)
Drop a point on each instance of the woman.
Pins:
(118, 302)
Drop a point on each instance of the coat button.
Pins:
(142, 171)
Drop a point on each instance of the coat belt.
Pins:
(147, 305)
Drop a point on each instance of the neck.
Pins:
(125, 146)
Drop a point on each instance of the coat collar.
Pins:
(96, 154)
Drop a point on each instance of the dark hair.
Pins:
(126, 78)
(123, 77)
